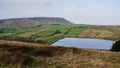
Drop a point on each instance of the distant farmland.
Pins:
(47, 30)
(45, 34)
(100, 33)
(49, 33)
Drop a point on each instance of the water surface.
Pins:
(85, 43)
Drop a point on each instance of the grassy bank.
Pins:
(26, 55)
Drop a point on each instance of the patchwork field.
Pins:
(45, 34)
(114, 29)
(48, 34)
(100, 33)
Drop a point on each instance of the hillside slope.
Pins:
(110, 32)
(17, 55)
(45, 34)
(28, 22)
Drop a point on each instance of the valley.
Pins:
(25, 43)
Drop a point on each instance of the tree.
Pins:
(56, 32)
(116, 46)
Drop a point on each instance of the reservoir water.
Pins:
(85, 43)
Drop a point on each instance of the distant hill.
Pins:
(27, 22)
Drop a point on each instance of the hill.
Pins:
(29, 22)
(25, 55)
(48, 34)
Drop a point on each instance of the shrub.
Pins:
(116, 46)
(39, 41)
(56, 32)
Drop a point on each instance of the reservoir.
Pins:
(85, 43)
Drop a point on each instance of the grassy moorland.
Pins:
(27, 55)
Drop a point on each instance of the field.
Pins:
(26, 55)
(45, 34)
(100, 33)
(50, 33)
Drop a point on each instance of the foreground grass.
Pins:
(25, 55)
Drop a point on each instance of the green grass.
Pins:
(2, 35)
(44, 34)
(74, 32)
(29, 34)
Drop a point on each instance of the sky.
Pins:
(100, 12)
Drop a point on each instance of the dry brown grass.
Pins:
(22, 56)
(115, 30)
(98, 33)
(88, 33)
(19, 44)
(80, 58)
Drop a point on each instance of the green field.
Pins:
(45, 34)
(48, 34)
